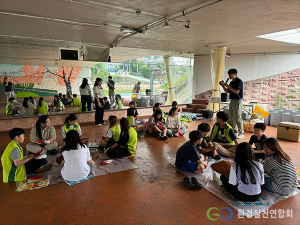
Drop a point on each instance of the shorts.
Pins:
(189, 166)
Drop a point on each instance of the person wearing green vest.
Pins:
(206, 147)
(15, 167)
(42, 107)
(112, 135)
(119, 101)
(157, 106)
(223, 135)
(127, 143)
(76, 101)
(10, 107)
(57, 104)
(131, 120)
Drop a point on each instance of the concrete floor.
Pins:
(151, 194)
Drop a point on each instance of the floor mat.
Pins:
(31, 184)
(117, 165)
(71, 183)
(260, 201)
(206, 178)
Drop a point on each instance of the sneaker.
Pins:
(52, 152)
(217, 157)
(44, 168)
(188, 183)
(42, 156)
(217, 179)
(163, 137)
(103, 123)
(240, 136)
(169, 135)
(98, 125)
(197, 183)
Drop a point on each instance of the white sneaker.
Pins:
(217, 179)
(98, 125)
(103, 123)
(240, 136)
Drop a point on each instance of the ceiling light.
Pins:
(167, 25)
(187, 25)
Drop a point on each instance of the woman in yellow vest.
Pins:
(126, 145)
(15, 167)
(131, 120)
(42, 107)
(71, 124)
(113, 133)
(57, 104)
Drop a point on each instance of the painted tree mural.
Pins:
(65, 76)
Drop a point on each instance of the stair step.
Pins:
(198, 101)
(192, 110)
(197, 106)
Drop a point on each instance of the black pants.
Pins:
(86, 99)
(99, 112)
(118, 152)
(34, 164)
(233, 190)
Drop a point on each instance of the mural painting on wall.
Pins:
(38, 75)
(280, 91)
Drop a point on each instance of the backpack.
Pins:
(208, 114)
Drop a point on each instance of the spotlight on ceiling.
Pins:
(187, 25)
(167, 25)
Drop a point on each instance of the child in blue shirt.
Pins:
(187, 156)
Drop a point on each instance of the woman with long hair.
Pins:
(43, 135)
(246, 175)
(32, 101)
(281, 175)
(57, 104)
(126, 145)
(42, 107)
(173, 123)
(26, 108)
(113, 133)
(98, 92)
(77, 163)
(155, 126)
(86, 95)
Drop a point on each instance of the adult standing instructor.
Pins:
(86, 95)
(111, 92)
(235, 90)
(8, 89)
(98, 92)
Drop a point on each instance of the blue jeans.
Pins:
(268, 184)
(175, 133)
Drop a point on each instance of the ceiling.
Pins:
(34, 30)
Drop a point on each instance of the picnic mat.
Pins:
(260, 201)
(31, 184)
(71, 183)
(206, 178)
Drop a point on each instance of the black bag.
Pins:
(208, 114)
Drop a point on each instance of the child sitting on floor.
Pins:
(173, 124)
(257, 139)
(187, 157)
(245, 177)
(281, 175)
(157, 106)
(106, 105)
(175, 104)
(223, 134)
(155, 126)
(15, 167)
(57, 104)
(126, 145)
(130, 117)
(113, 133)
(77, 163)
(42, 107)
(132, 105)
(10, 107)
(71, 124)
(206, 147)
